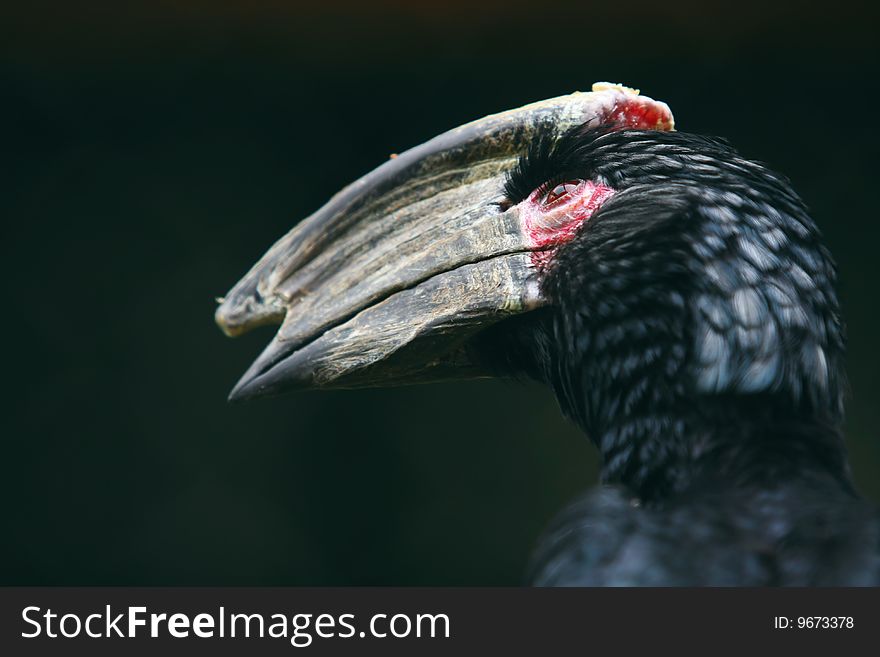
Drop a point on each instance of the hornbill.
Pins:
(675, 296)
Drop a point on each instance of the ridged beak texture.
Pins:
(387, 282)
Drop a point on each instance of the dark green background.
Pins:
(152, 151)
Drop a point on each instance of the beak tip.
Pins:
(248, 387)
(268, 376)
(238, 394)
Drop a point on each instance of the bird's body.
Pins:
(809, 530)
(675, 296)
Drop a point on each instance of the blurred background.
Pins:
(152, 151)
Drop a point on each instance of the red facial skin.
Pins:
(550, 222)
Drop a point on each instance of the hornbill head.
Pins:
(656, 280)
(389, 282)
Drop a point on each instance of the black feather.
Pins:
(694, 333)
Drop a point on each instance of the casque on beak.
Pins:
(387, 282)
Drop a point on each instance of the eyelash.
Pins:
(545, 188)
(572, 152)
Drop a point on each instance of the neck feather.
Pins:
(727, 442)
(678, 357)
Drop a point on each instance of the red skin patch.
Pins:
(640, 113)
(547, 226)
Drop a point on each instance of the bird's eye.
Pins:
(559, 192)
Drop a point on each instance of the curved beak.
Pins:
(388, 282)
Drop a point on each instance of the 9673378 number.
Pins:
(814, 622)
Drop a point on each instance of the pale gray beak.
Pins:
(388, 282)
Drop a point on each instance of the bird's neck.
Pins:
(681, 361)
(727, 442)
(628, 386)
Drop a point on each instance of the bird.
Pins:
(675, 296)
